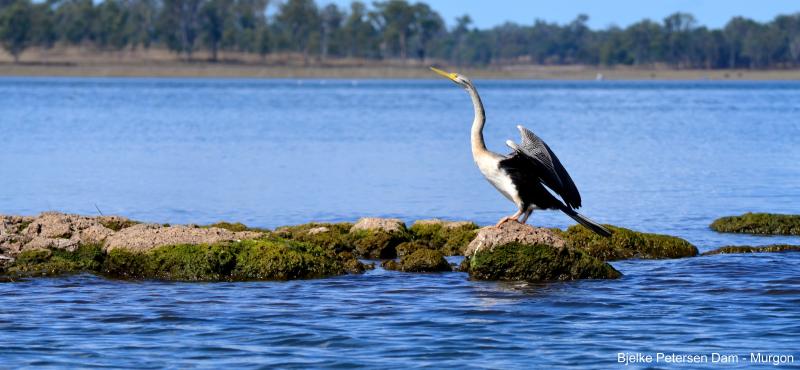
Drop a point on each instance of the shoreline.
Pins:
(222, 70)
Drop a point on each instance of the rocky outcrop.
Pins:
(759, 223)
(55, 230)
(144, 237)
(421, 260)
(627, 244)
(451, 237)
(521, 252)
(389, 225)
(513, 232)
(734, 249)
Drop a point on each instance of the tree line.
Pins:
(392, 29)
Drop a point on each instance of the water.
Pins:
(651, 156)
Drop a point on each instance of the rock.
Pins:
(536, 262)
(749, 249)
(421, 260)
(95, 234)
(451, 237)
(233, 226)
(39, 242)
(759, 223)
(627, 244)
(318, 230)
(336, 238)
(406, 248)
(513, 232)
(143, 237)
(13, 224)
(389, 225)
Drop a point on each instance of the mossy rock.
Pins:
(732, 249)
(263, 259)
(759, 223)
(117, 224)
(421, 260)
(627, 244)
(334, 236)
(53, 262)
(406, 248)
(537, 262)
(451, 240)
(377, 244)
(258, 259)
(234, 226)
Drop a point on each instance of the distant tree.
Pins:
(358, 33)
(394, 19)
(331, 25)
(16, 21)
(180, 25)
(74, 20)
(43, 28)
(112, 28)
(298, 21)
(143, 20)
(426, 28)
(216, 15)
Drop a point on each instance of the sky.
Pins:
(602, 13)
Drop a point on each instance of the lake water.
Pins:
(651, 156)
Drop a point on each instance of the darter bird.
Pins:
(527, 175)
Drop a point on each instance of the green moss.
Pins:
(421, 260)
(748, 249)
(46, 262)
(234, 226)
(537, 263)
(117, 224)
(626, 244)
(377, 244)
(406, 248)
(262, 259)
(335, 238)
(22, 226)
(759, 223)
(450, 240)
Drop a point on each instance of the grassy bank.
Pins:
(161, 63)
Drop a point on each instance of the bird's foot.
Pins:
(506, 219)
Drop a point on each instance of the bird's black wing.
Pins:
(551, 171)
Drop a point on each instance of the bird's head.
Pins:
(459, 80)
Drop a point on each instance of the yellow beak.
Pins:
(451, 76)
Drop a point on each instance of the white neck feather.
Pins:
(476, 137)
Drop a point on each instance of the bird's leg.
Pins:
(514, 217)
(527, 214)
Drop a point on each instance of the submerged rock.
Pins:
(421, 260)
(749, 249)
(626, 244)
(536, 262)
(515, 251)
(143, 237)
(263, 259)
(513, 232)
(759, 223)
(451, 237)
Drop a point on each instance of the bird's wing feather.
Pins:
(552, 172)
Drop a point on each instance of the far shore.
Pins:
(377, 71)
(85, 62)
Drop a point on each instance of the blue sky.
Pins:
(712, 13)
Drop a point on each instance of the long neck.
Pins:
(476, 137)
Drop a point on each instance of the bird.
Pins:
(530, 175)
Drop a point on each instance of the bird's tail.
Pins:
(586, 222)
